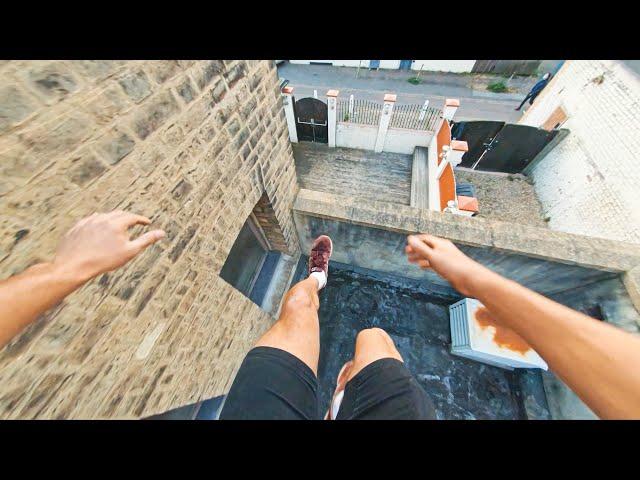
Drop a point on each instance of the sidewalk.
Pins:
(476, 103)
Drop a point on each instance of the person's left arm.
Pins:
(95, 245)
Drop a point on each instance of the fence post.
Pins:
(385, 118)
(287, 101)
(332, 98)
(423, 112)
(458, 149)
(350, 108)
(450, 107)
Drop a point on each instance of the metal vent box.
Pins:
(470, 339)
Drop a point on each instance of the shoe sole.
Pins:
(330, 251)
(327, 416)
(330, 243)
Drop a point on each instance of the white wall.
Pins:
(353, 135)
(590, 182)
(390, 64)
(401, 140)
(429, 65)
(456, 66)
(398, 140)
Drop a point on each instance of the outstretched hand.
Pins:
(100, 243)
(442, 256)
(96, 244)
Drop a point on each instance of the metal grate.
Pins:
(459, 327)
(415, 117)
(365, 112)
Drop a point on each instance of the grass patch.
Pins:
(498, 87)
(414, 81)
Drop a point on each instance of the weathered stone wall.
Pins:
(193, 145)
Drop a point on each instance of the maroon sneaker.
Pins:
(320, 253)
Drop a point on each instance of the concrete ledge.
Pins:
(600, 254)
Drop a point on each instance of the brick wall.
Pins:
(193, 145)
(588, 184)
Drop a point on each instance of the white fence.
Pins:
(361, 122)
(374, 125)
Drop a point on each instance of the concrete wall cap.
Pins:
(459, 145)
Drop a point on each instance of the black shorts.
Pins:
(273, 384)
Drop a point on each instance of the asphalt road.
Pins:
(475, 104)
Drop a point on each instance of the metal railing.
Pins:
(364, 112)
(367, 112)
(415, 117)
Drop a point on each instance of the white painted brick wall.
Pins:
(590, 183)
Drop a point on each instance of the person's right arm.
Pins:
(599, 362)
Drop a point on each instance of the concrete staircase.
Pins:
(420, 178)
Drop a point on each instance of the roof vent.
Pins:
(484, 341)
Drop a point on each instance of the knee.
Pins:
(373, 344)
(297, 299)
(374, 334)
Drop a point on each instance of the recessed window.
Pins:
(253, 259)
(246, 257)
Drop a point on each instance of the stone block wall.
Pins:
(194, 145)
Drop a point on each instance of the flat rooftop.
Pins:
(418, 322)
(363, 174)
(505, 197)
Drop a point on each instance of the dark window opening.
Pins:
(245, 258)
(250, 265)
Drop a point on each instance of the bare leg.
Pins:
(372, 344)
(297, 330)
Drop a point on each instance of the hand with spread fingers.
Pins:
(100, 243)
(96, 244)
